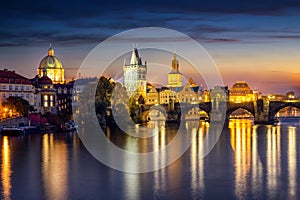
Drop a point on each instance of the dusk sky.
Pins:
(256, 41)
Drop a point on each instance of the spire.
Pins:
(135, 59)
(50, 50)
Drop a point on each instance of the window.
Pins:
(10, 87)
(27, 96)
(3, 95)
(16, 88)
(45, 104)
(22, 95)
(3, 87)
(10, 94)
(46, 97)
(22, 88)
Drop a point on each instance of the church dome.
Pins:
(50, 61)
(240, 85)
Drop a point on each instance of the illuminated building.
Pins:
(276, 97)
(64, 97)
(135, 75)
(167, 96)
(45, 94)
(15, 85)
(282, 97)
(152, 96)
(58, 90)
(241, 92)
(53, 67)
(205, 96)
(175, 77)
(188, 93)
(290, 95)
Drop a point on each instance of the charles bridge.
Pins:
(263, 110)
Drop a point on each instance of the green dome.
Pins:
(50, 61)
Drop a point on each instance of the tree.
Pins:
(18, 104)
(103, 96)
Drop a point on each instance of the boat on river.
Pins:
(70, 126)
(12, 131)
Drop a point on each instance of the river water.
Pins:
(248, 162)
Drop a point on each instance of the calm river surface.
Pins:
(248, 162)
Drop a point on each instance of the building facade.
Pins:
(240, 92)
(167, 96)
(135, 74)
(188, 94)
(15, 85)
(152, 96)
(45, 95)
(64, 97)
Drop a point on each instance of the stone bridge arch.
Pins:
(185, 108)
(231, 107)
(145, 116)
(276, 106)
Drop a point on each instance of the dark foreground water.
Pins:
(248, 162)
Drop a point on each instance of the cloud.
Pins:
(89, 22)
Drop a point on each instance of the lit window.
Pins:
(46, 97)
(51, 98)
(45, 104)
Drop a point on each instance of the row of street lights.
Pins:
(6, 113)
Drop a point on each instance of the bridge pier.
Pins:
(261, 112)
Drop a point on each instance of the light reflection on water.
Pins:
(248, 162)
(6, 168)
(292, 163)
(54, 167)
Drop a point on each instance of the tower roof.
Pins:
(135, 58)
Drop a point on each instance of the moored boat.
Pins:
(70, 126)
(12, 131)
